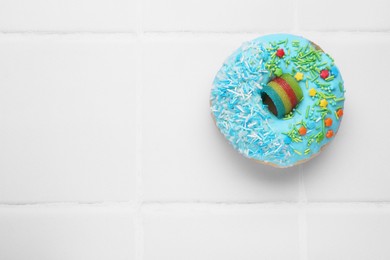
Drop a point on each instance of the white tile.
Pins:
(70, 15)
(355, 166)
(218, 15)
(344, 15)
(67, 120)
(221, 234)
(349, 234)
(184, 155)
(82, 232)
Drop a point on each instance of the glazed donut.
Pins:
(278, 99)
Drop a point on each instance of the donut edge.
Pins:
(317, 47)
(264, 162)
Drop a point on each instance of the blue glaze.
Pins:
(249, 126)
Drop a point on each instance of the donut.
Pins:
(278, 99)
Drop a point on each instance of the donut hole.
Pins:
(269, 103)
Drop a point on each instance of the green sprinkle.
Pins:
(320, 137)
(335, 113)
(307, 84)
(297, 152)
(315, 78)
(339, 99)
(278, 72)
(341, 87)
(307, 112)
(321, 64)
(329, 78)
(297, 140)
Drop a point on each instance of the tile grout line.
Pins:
(295, 29)
(208, 204)
(138, 219)
(302, 218)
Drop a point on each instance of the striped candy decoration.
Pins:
(281, 95)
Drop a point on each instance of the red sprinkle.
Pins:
(280, 53)
(324, 74)
(302, 130)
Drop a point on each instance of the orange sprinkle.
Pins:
(302, 130)
(340, 112)
(329, 134)
(328, 122)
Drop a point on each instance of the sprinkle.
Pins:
(339, 99)
(278, 72)
(337, 116)
(307, 112)
(298, 76)
(329, 78)
(329, 134)
(307, 84)
(340, 112)
(280, 53)
(320, 136)
(322, 64)
(297, 152)
(334, 71)
(287, 140)
(328, 122)
(323, 103)
(324, 74)
(341, 87)
(312, 92)
(302, 130)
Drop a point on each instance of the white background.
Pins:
(108, 150)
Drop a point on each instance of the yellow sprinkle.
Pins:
(323, 103)
(299, 76)
(312, 92)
